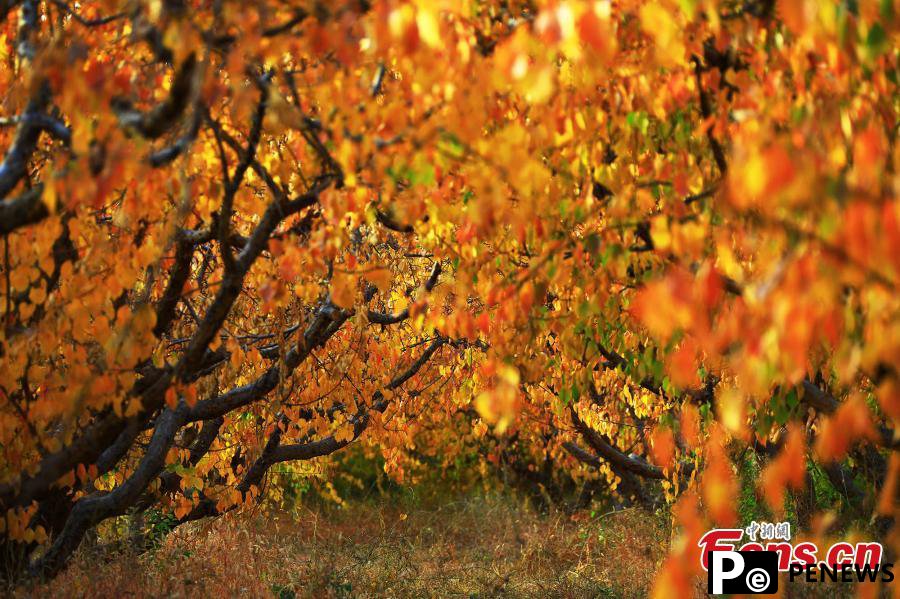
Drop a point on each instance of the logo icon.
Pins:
(743, 572)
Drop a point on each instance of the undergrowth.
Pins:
(474, 547)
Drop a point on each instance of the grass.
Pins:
(476, 547)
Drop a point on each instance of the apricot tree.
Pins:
(622, 239)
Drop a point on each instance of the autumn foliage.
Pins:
(610, 245)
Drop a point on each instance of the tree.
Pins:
(633, 236)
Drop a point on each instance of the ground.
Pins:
(470, 547)
(476, 547)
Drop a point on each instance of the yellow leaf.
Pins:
(658, 23)
(429, 28)
(732, 412)
(345, 433)
(498, 406)
(541, 85)
(50, 198)
(659, 232)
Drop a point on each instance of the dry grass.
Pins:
(473, 548)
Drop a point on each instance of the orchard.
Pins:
(617, 250)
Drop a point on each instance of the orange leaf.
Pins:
(719, 484)
(663, 447)
(690, 424)
(681, 365)
(851, 422)
(786, 470)
(343, 290)
(887, 503)
(171, 397)
(380, 277)
(596, 34)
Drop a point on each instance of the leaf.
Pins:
(662, 442)
(343, 290)
(659, 23)
(682, 364)
(171, 398)
(876, 39)
(850, 423)
(796, 14)
(786, 470)
(719, 484)
(381, 277)
(690, 424)
(429, 28)
(596, 34)
(888, 395)
(345, 433)
(659, 232)
(887, 502)
(732, 411)
(499, 405)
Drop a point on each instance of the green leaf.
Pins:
(876, 40)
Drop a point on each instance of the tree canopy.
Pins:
(613, 240)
